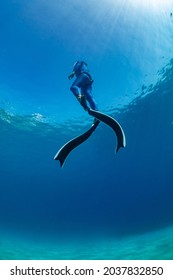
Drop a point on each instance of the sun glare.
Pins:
(156, 4)
(144, 4)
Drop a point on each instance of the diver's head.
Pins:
(79, 67)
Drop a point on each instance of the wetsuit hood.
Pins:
(79, 67)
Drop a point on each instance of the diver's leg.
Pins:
(77, 89)
(90, 99)
(83, 102)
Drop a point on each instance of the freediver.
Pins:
(82, 89)
(82, 86)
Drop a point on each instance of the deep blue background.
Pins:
(126, 47)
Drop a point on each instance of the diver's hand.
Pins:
(71, 75)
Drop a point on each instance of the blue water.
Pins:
(100, 205)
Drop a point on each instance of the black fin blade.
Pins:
(72, 144)
(113, 124)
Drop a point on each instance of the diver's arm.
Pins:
(71, 75)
